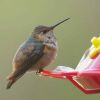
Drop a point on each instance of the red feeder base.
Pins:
(87, 81)
(86, 76)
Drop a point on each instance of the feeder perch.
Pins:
(86, 76)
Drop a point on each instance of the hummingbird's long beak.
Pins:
(52, 27)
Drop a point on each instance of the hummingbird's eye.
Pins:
(45, 31)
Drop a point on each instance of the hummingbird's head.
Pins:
(42, 32)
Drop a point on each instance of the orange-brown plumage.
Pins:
(37, 52)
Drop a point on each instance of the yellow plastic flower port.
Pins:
(95, 49)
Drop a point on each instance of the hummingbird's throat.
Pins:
(50, 40)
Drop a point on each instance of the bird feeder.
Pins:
(86, 76)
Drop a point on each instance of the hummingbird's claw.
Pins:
(39, 71)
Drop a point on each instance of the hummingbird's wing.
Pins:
(28, 55)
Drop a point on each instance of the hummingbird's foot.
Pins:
(39, 71)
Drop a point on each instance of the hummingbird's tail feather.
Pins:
(13, 77)
(10, 83)
(12, 80)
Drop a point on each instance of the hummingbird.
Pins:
(37, 52)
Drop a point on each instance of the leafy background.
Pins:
(18, 17)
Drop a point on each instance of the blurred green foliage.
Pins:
(17, 19)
